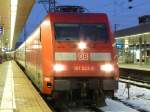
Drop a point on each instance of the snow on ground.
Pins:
(139, 97)
(114, 106)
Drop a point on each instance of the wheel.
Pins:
(99, 98)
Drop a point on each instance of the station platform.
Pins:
(17, 94)
(142, 67)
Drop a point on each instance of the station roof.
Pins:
(140, 29)
(23, 9)
(134, 35)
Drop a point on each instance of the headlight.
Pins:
(107, 67)
(59, 67)
(82, 45)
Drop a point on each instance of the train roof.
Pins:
(88, 13)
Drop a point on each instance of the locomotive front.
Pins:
(85, 64)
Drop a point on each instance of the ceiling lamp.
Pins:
(14, 4)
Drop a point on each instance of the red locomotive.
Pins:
(73, 55)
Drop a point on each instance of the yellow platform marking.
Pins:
(8, 98)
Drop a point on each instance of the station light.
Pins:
(3, 49)
(1, 30)
(14, 4)
(126, 43)
(35, 46)
(46, 23)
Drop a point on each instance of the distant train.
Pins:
(72, 55)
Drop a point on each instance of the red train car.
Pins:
(73, 55)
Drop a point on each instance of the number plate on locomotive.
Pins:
(84, 68)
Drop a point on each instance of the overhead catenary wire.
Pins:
(48, 3)
(125, 12)
(124, 6)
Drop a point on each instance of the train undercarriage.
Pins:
(83, 91)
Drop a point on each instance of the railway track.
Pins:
(95, 109)
(134, 79)
(138, 83)
(84, 109)
(133, 82)
(129, 105)
(64, 107)
(135, 75)
(76, 109)
(92, 108)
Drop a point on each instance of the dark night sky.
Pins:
(117, 10)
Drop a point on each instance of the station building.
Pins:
(134, 44)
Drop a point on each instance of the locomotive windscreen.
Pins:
(95, 32)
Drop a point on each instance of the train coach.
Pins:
(72, 55)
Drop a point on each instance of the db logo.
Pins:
(83, 56)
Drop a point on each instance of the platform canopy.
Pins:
(7, 9)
